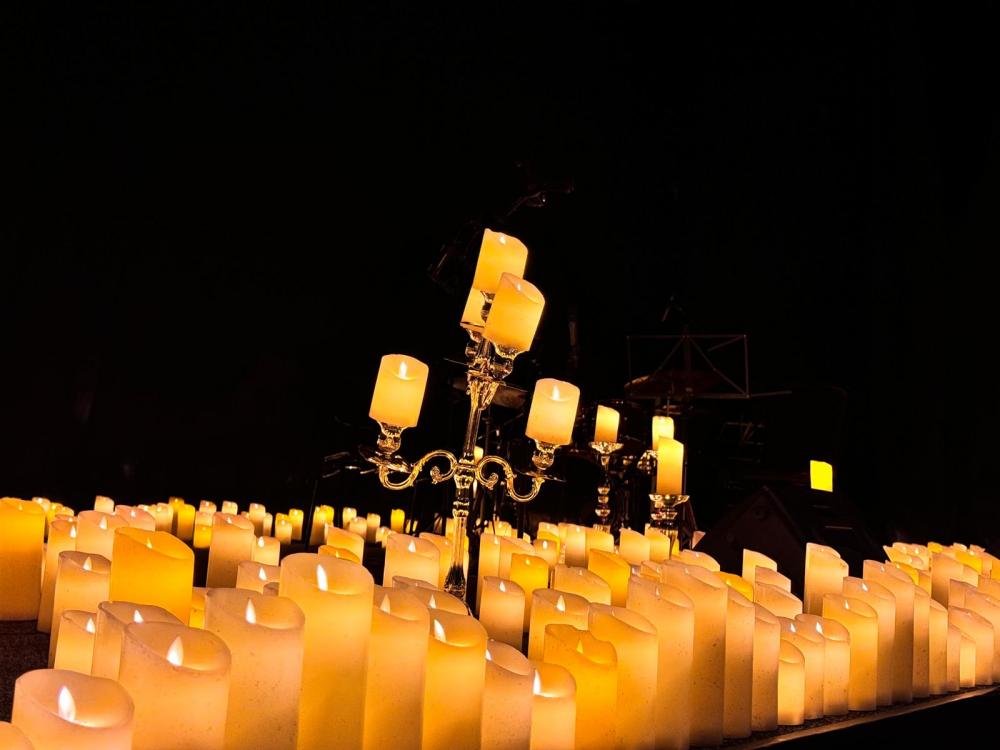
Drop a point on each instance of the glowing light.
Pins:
(88, 564)
(262, 575)
(90, 625)
(536, 687)
(67, 706)
(561, 603)
(132, 513)
(432, 603)
(260, 542)
(489, 656)
(385, 606)
(137, 617)
(72, 532)
(402, 368)
(555, 391)
(321, 581)
(175, 654)
(251, 613)
(791, 627)
(503, 588)
(103, 524)
(819, 628)
(149, 543)
(439, 632)
(579, 647)
(412, 547)
(864, 587)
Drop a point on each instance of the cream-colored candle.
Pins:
(671, 612)
(264, 635)
(753, 560)
(922, 604)
(553, 410)
(548, 607)
(489, 563)
(336, 597)
(507, 698)
(203, 530)
(12, 738)
(62, 538)
(670, 467)
(359, 526)
(112, 617)
(711, 600)
(701, 559)
(548, 550)
(989, 608)
(967, 659)
(397, 662)
(737, 583)
(207, 506)
(297, 518)
(22, 534)
(879, 598)
(185, 522)
(598, 539)
(283, 529)
(347, 514)
(81, 583)
(232, 543)
(499, 253)
(780, 602)
(530, 573)
(980, 630)
(318, 527)
(825, 572)
(773, 578)
(606, 425)
(75, 647)
(431, 596)
(943, 570)
(634, 547)
(164, 515)
(861, 621)
(553, 710)
(576, 546)
(514, 317)
(444, 547)
(59, 709)
(791, 685)
(179, 679)
(456, 658)
(153, 567)
(954, 654)
(104, 504)
(581, 582)
(738, 691)
(266, 550)
(663, 427)
(901, 588)
(230, 508)
(938, 648)
(397, 519)
(593, 664)
(502, 610)
(766, 649)
(348, 540)
(197, 617)
(472, 313)
(253, 576)
(411, 557)
(613, 569)
(836, 661)
(812, 645)
(659, 545)
(399, 391)
(268, 524)
(257, 512)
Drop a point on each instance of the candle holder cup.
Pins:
(663, 516)
(604, 450)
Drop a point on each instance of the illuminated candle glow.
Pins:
(549, 607)
(399, 391)
(515, 314)
(232, 543)
(112, 617)
(606, 425)
(553, 711)
(502, 610)
(411, 557)
(456, 657)
(766, 650)
(861, 621)
(670, 467)
(507, 698)
(82, 584)
(499, 253)
(62, 538)
(22, 532)
(879, 598)
(581, 582)
(75, 647)
(553, 411)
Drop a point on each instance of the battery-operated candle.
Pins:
(515, 314)
(553, 411)
(22, 532)
(507, 698)
(399, 391)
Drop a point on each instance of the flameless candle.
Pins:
(12, 738)
(185, 522)
(257, 513)
(412, 558)
(283, 529)
(507, 698)
(197, 617)
(598, 539)
(836, 661)
(163, 514)
(264, 636)
(938, 649)
(319, 521)
(232, 543)
(663, 427)
(342, 554)
(22, 533)
(530, 573)
(791, 685)
(62, 538)
(879, 598)
(670, 467)
(57, 709)
(397, 519)
(104, 504)
(737, 583)
(613, 569)
(206, 506)
(553, 711)
(988, 608)
(922, 603)
(268, 524)
(861, 621)
(777, 600)
(510, 546)
(702, 560)
(230, 508)
(472, 313)
(502, 610)
(499, 253)
(359, 526)
(766, 650)
(112, 617)
(296, 518)
(548, 550)
(266, 550)
(980, 630)
(456, 657)
(347, 515)
(553, 411)
(75, 647)
(967, 659)
(399, 391)
(137, 518)
(773, 578)
(659, 544)
(901, 588)
(514, 316)
(179, 679)
(582, 582)
(254, 576)
(634, 547)
(954, 654)
(81, 583)
(738, 687)
(431, 596)
(549, 607)
(753, 560)
(606, 425)
(825, 572)
(154, 568)
(943, 570)
(336, 597)
(812, 646)
(95, 532)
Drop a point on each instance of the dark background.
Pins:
(220, 216)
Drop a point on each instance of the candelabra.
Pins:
(604, 449)
(663, 516)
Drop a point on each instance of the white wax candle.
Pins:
(489, 563)
(980, 630)
(937, 641)
(824, 574)
(515, 314)
(456, 658)
(266, 550)
(634, 547)
(576, 546)
(297, 518)
(153, 567)
(582, 582)
(348, 540)
(766, 649)
(82, 583)
(614, 570)
(606, 425)
(232, 543)
(738, 691)
(663, 427)
(12, 738)
(988, 608)
(861, 621)
(780, 602)
(553, 410)
(112, 617)
(922, 646)
(22, 531)
(548, 607)
(502, 610)
(553, 711)
(670, 467)
(507, 698)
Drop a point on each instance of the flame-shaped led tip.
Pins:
(175, 654)
(579, 647)
(847, 604)
(819, 628)
(89, 627)
(88, 564)
(261, 574)
(527, 561)
(251, 613)
(489, 656)
(536, 686)
(412, 546)
(402, 368)
(137, 616)
(132, 513)
(229, 520)
(502, 587)
(502, 239)
(791, 627)
(864, 586)
(385, 606)
(149, 543)
(103, 524)
(260, 542)
(561, 603)
(439, 632)
(72, 531)
(545, 544)
(555, 393)
(432, 603)
(321, 580)
(67, 706)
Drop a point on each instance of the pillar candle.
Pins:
(453, 691)
(633, 546)
(153, 568)
(879, 598)
(576, 546)
(164, 516)
(530, 573)
(104, 504)
(296, 518)
(489, 563)
(593, 663)
(509, 546)
(922, 603)
(232, 543)
(663, 427)
(185, 522)
(318, 526)
(399, 391)
(989, 608)
(253, 576)
(257, 512)
(636, 646)
(550, 606)
(57, 709)
(861, 621)
(358, 526)
(938, 648)
(397, 661)
(347, 515)
(812, 645)
(336, 597)
(553, 708)
(954, 653)
(773, 578)
(753, 560)
(499, 253)
(203, 530)
(599, 540)
(825, 572)
(780, 602)
(980, 630)
(545, 527)
(81, 583)
(12, 738)
(957, 591)
(738, 690)
(738, 584)
(206, 506)
(196, 619)
(507, 698)
(342, 554)
(283, 529)
(766, 649)
(137, 518)
(502, 610)
(548, 550)
(670, 466)
(702, 560)
(264, 636)
(62, 538)
(179, 680)
(266, 550)
(443, 544)
(374, 520)
(606, 425)
(22, 534)
(582, 582)
(112, 617)
(659, 544)
(431, 596)
(614, 570)
(397, 520)
(943, 570)
(513, 320)
(967, 659)
(711, 600)
(75, 647)
(268, 524)
(990, 586)
(412, 558)
(836, 661)
(230, 508)
(791, 685)
(901, 588)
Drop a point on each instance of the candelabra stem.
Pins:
(603, 509)
(663, 516)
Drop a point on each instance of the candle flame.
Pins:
(402, 368)
(439, 632)
(175, 654)
(502, 239)
(555, 393)
(229, 520)
(791, 627)
(321, 581)
(503, 588)
(847, 604)
(132, 513)
(489, 656)
(72, 531)
(657, 592)
(579, 647)
(496, 541)
(20, 506)
(251, 613)
(432, 603)
(260, 542)
(385, 606)
(88, 564)
(561, 603)
(864, 586)
(89, 627)
(137, 616)
(103, 524)
(545, 544)
(149, 543)
(67, 706)
(536, 686)
(527, 561)
(819, 628)
(412, 547)
(261, 574)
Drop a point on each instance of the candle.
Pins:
(711, 600)
(232, 543)
(980, 630)
(879, 598)
(230, 508)
(659, 544)
(163, 514)
(921, 642)
(737, 583)
(576, 546)
(206, 506)
(663, 427)
(507, 698)
(297, 518)
(185, 522)
(197, 617)
(336, 597)
(967, 660)
(634, 547)
(752, 561)
(636, 646)
(943, 570)
(137, 518)
(954, 654)
(738, 688)
(553, 411)
(489, 562)
(431, 596)
(456, 658)
(22, 532)
(671, 612)
(988, 608)
(606, 425)
(268, 524)
(937, 640)
(548, 550)
(62, 538)
(777, 600)
(104, 504)
(399, 391)
(502, 610)
(499, 253)
(593, 664)
(284, 529)
(253, 576)
(530, 573)
(266, 550)
(75, 647)
(397, 661)
(153, 568)
(582, 582)
(179, 679)
(374, 521)
(358, 526)
(412, 558)
(12, 738)
(553, 708)
(825, 572)
(347, 515)
(58, 709)
(81, 583)
(701, 559)
(812, 646)
(861, 621)
(472, 313)
(264, 636)
(670, 467)
(514, 316)
(397, 519)
(112, 617)
(549, 607)
(598, 539)
(902, 590)
(341, 554)
(766, 650)
(836, 661)
(791, 685)
(510, 546)
(613, 569)
(319, 521)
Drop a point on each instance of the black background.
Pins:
(221, 215)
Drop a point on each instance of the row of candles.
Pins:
(623, 647)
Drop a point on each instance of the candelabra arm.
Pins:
(490, 479)
(389, 466)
